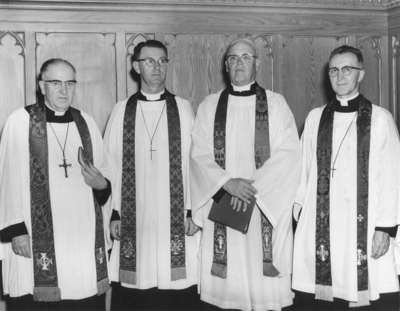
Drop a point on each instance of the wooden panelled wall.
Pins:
(294, 55)
(394, 65)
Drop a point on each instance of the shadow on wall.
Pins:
(328, 93)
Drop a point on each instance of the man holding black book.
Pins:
(245, 172)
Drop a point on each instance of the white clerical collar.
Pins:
(56, 113)
(153, 96)
(242, 88)
(344, 101)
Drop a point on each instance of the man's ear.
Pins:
(257, 64)
(226, 66)
(136, 67)
(41, 86)
(361, 75)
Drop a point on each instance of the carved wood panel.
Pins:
(395, 76)
(93, 56)
(293, 39)
(196, 66)
(133, 39)
(371, 86)
(294, 66)
(303, 72)
(12, 73)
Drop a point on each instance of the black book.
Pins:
(223, 213)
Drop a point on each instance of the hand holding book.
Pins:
(241, 188)
(92, 176)
(238, 205)
(232, 212)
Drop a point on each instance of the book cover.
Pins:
(222, 212)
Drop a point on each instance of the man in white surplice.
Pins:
(148, 138)
(244, 276)
(347, 203)
(48, 199)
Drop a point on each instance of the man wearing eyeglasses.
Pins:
(245, 156)
(154, 256)
(347, 202)
(51, 216)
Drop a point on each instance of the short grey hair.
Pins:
(245, 40)
(54, 61)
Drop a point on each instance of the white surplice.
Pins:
(245, 287)
(152, 193)
(383, 204)
(72, 206)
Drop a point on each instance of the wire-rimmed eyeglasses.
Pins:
(151, 62)
(232, 59)
(346, 70)
(58, 84)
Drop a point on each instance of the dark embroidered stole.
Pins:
(323, 277)
(128, 192)
(220, 259)
(262, 153)
(44, 260)
(99, 251)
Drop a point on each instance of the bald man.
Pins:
(245, 150)
(50, 204)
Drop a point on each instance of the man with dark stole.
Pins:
(51, 216)
(347, 204)
(154, 255)
(245, 153)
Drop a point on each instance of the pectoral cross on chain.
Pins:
(65, 165)
(151, 151)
